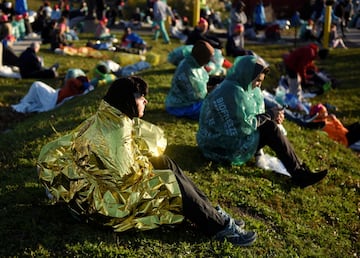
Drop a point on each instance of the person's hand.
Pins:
(279, 115)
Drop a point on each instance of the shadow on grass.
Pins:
(188, 157)
(30, 225)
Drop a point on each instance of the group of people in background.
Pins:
(129, 183)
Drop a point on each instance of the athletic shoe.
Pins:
(240, 223)
(233, 234)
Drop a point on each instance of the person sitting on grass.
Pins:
(102, 32)
(234, 126)
(301, 68)
(348, 135)
(233, 46)
(201, 32)
(32, 66)
(189, 83)
(132, 40)
(111, 170)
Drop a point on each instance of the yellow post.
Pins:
(327, 24)
(196, 14)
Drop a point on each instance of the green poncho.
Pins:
(228, 125)
(102, 171)
(188, 85)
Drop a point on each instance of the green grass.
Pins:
(319, 221)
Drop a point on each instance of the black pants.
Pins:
(9, 57)
(196, 206)
(271, 136)
(42, 74)
(354, 133)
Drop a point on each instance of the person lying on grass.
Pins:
(111, 170)
(42, 97)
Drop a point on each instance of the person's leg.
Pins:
(157, 30)
(164, 32)
(342, 23)
(242, 40)
(43, 74)
(271, 136)
(341, 42)
(196, 206)
(9, 57)
(353, 134)
(1, 54)
(294, 83)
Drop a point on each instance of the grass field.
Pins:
(319, 221)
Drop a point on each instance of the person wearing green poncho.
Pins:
(233, 123)
(111, 170)
(189, 83)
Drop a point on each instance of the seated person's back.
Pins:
(31, 66)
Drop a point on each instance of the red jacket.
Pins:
(302, 59)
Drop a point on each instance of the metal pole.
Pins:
(327, 23)
(196, 14)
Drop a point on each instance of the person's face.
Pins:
(258, 81)
(141, 102)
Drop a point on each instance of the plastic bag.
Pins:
(268, 162)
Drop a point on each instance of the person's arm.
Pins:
(276, 114)
(170, 13)
(34, 62)
(262, 118)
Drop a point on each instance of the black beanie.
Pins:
(202, 51)
(120, 95)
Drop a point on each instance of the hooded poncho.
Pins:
(102, 171)
(188, 85)
(228, 125)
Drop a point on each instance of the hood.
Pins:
(245, 69)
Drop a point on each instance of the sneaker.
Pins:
(55, 66)
(240, 223)
(55, 73)
(303, 177)
(235, 235)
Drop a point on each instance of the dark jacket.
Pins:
(197, 34)
(29, 62)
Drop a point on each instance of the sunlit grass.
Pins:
(322, 220)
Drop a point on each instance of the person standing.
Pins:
(238, 16)
(160, 15)
(259, 16)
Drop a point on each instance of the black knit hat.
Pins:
(202, 51)
(121, 94)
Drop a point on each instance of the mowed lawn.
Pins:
(319, 221)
